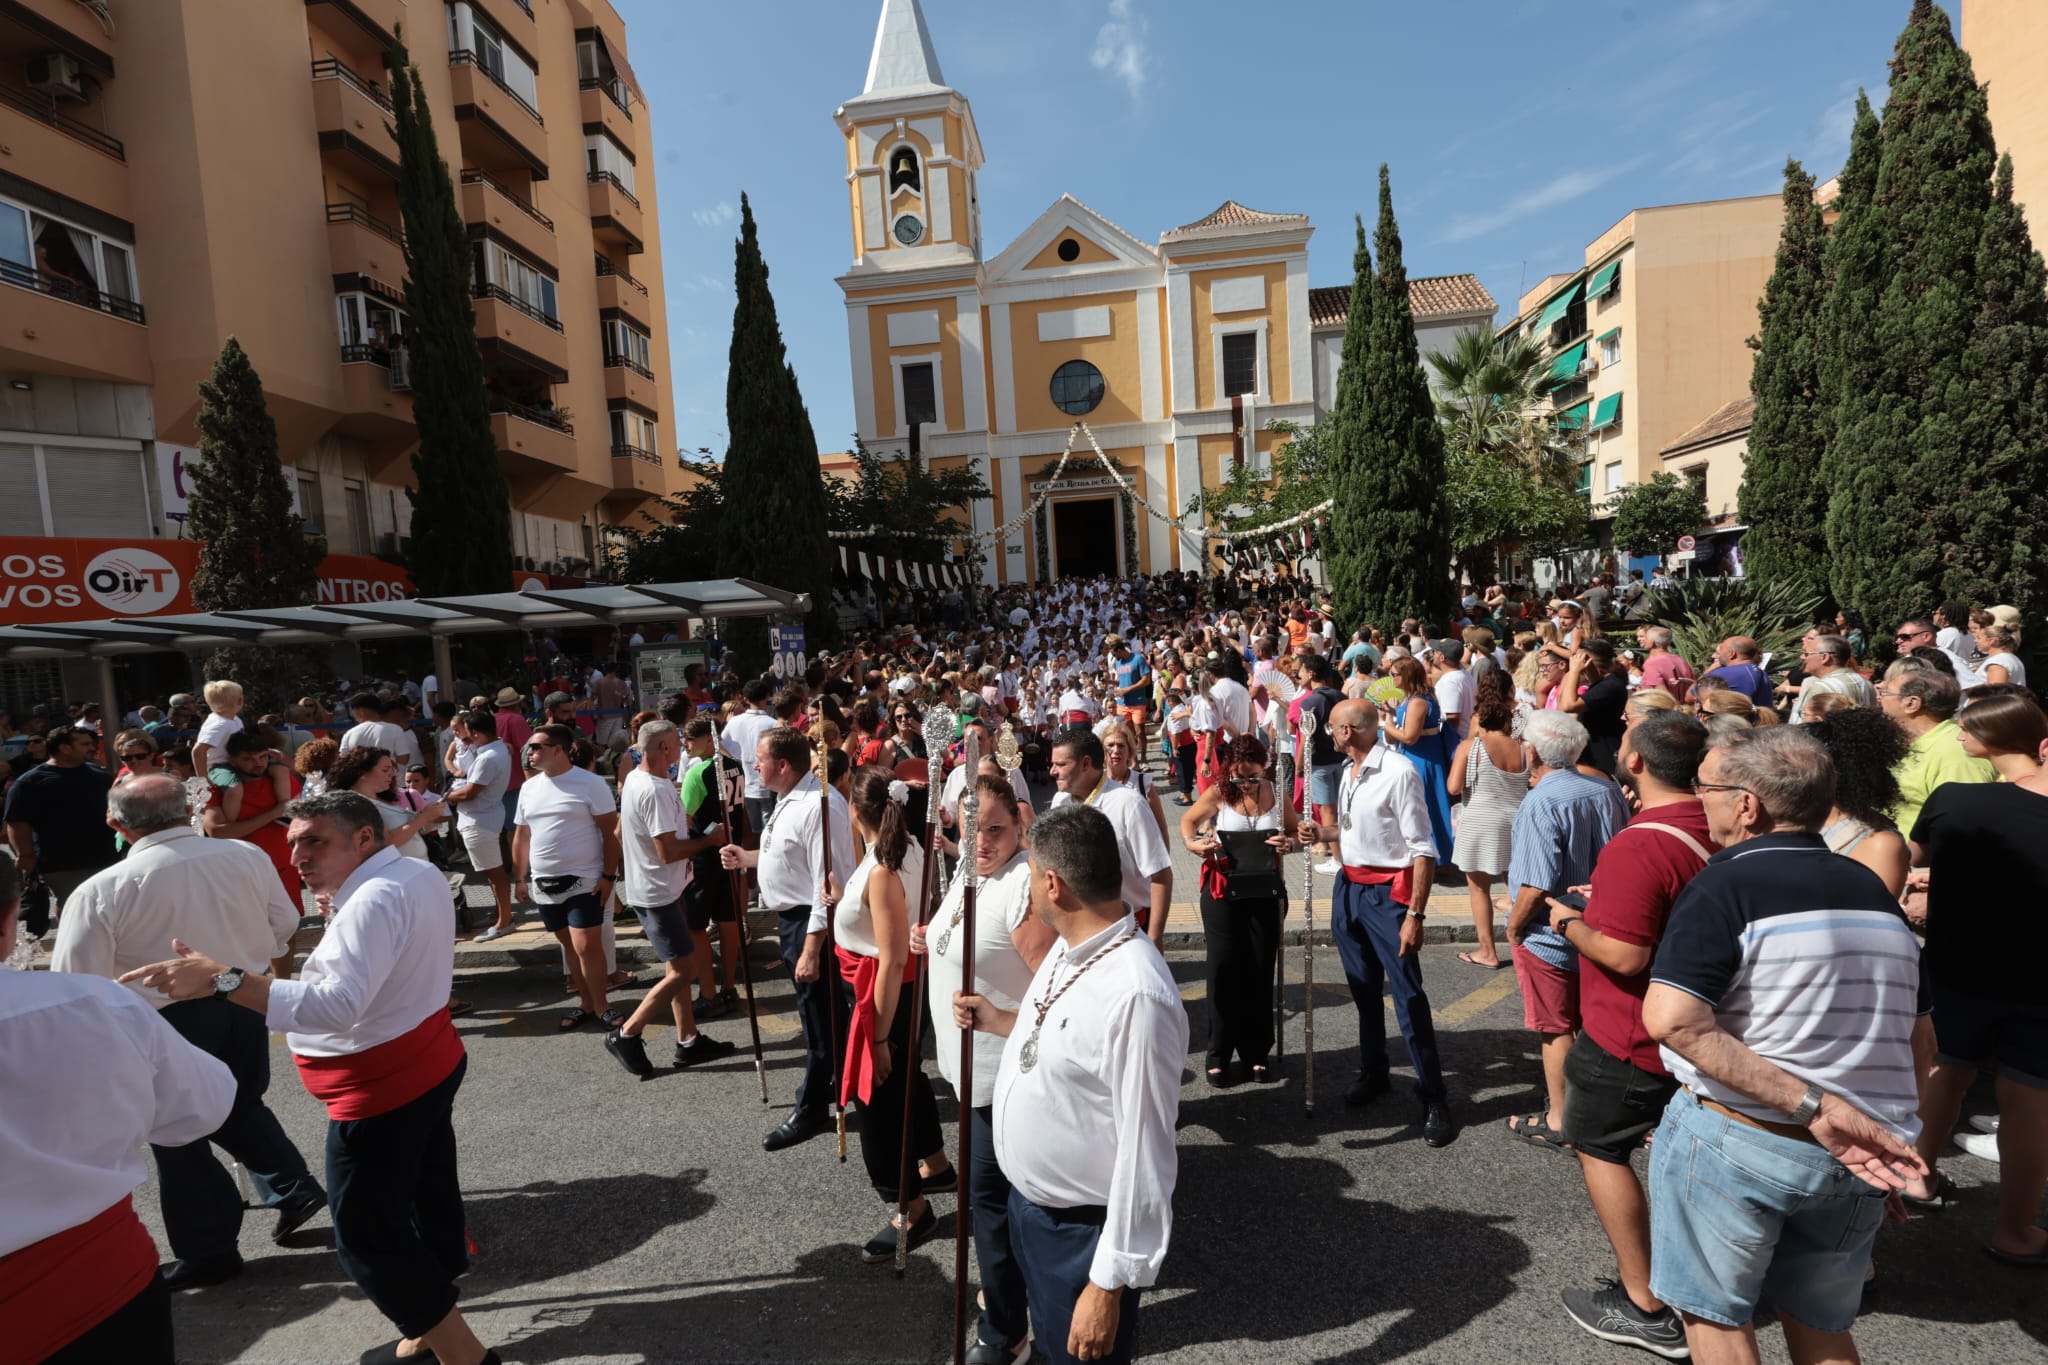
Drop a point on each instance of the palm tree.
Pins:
(1492, 393)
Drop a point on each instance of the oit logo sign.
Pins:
(129, 581)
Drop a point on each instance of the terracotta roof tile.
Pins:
(1429, 296)
(1230, 213)
(1727, 420)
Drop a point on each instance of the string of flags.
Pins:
(910, 573)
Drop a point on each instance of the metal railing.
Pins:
(70, 290)
(526, 5)
(506, 297)
(372, 355)
(474, 177)
(44, 110)
(329, 69)
(617, 184)
(605, 267)
(462, 56)
(538, 416)
(614, 361)
(614, 89)
(350, 213)
(623, 452)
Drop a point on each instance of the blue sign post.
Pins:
(786, 651)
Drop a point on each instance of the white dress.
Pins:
(1002, 902)
(853, 928)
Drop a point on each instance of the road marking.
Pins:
(1463, 1011)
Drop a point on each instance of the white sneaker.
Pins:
(1983, 1146)
(1329, 867)
(1984, 1123)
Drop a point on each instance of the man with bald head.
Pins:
(1383, 839)
(1738, 661)
(223, 897)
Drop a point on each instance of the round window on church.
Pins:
(1077, 388)
(909, 229)
(1070, 250)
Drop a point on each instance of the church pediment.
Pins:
(1070, 238)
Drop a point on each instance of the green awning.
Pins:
(1604, 279)
(1609, 334)
(1566, 366)
(1556, 309)
(1574, 417)
(1607, 413)
(1585, 483)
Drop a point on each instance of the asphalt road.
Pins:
(627, 1222)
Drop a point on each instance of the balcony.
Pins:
(489, 202)
(607, 103)
(628, 381)
(500, 130)
(514, 18)
(376, 403)
(615, 219)
(637, 471)
(538, 453)
(520, 333)
(359, 243)
(59, 326)
(352, 114)
(616, 290)
(68, 157)
(378, 20)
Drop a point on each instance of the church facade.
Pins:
(1178, 353)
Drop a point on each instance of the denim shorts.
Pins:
(1323, 784)
(578, 912)
(1969, 1031)
(1739, 1216)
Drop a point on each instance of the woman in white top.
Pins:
(1119, 750)
(1999, 644)
(1009, 944)
(871, 933)
(374, 773)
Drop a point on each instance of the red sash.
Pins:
(362, 1085)
(1400, 881)
(857, 1076)
(54, 1291)
(1075, 717)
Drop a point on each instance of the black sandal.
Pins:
(571, 1022)
(1532, 1129)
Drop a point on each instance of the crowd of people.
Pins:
(1762, 914)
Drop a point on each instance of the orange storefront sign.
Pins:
(44, 580)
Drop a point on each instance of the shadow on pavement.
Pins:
(550, 1229)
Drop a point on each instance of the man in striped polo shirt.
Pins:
(1783, 995)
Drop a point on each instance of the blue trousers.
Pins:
(202, 1208)
(813, 998)
(396, 1202)
(1055, 1248)
(1004, 1319)
(1366, 922)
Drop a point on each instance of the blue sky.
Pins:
(1516, 130)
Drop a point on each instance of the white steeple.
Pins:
(903, 62)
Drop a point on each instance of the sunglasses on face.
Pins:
(135, 755)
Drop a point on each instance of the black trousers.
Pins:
(138, 1332)
(881, 1119)
(202, 1208)
(1005, 1314)
(1240, 938)
(397, 1206)
(813, 998)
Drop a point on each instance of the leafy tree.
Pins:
(773, 530)
(461, 505)
(1650, 517)
(1906, 304)
(1390, 530)
(682, 546)
(902, 495)
(1783, 499)
(1497, 505)
(252, 552)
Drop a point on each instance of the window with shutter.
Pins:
(96, 492)
(21, 499)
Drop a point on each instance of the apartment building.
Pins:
(1648, 336)
(2008, 45)
(175, 172)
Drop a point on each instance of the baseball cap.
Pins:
(1453, 650)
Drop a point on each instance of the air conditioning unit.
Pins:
(56, 74)
(401, 370)
(1588, 366)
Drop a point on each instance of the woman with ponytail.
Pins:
(871, 934)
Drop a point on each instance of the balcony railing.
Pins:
(605, 267)
(614, 89)
(506, 297)
(526, 5)
(470, 177)
(614, 361)
(70, 290)
(538, 416)
(462, 56)
(44, 110)
(350, 213)
(373, 355)
(617, 184)
(328, 69)
(636, 453)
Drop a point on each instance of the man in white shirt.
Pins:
(565, 841)
(222, 896)
(78, 1277)
(791, 868)
(653, 842)
(1077, 769)
(367, 1022)
(1087, 1097)
(1388, 850)
(1456, 690)
(372, 731)
(741, 738)
(479, 801)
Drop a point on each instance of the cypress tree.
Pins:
(1989, 521)
(1350, 508)
(252, 553)
(1783, 500)
(773, 530)
(1906, 306)
(1395, 523)
(461, 506)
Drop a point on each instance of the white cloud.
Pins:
(718, 215)
(1120, 47)
(1562, 190)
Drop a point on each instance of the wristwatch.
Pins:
(1413, 913)
(227, 983)
(1809, 1105)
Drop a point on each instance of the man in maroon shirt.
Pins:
(1616, 1083)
